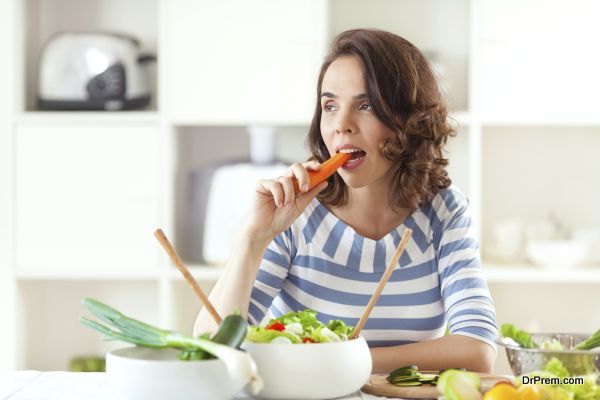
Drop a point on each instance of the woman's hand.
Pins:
(276, 206)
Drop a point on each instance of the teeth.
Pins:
(349, 151)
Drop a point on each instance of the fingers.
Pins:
(313, 165)
(300, 173)
(273, 188)
(282, 188)
(288, 189)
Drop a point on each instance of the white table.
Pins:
(60, 385)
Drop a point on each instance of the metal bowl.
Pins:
(578, 362)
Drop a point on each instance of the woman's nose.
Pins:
(344, 123)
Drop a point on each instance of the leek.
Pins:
(590, 343)
(239, 364)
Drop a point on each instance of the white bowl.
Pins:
(312, 370)
(556, 254)
(139, 373)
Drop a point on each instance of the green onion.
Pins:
(590, 343)
(238, 363)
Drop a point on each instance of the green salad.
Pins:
(299, 327)
(518, 337)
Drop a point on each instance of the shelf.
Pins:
(37, 273)
(540, 119)
(463, 118)
(274, 121)
(526, 273)
(124, 117)
(494, 273)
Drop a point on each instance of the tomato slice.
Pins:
(276, 326)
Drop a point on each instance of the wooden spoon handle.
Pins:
(187, 275)
(384, 278)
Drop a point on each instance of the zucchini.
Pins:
(409, 375)
(427, 378)
(405, 370)
(231, 333)
(407, 378)
(408, 384)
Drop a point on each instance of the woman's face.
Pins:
(348, 123)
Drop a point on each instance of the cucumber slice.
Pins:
(408, 384)
(405, 368)
(397, 373)
(404, 378)
(409, 380)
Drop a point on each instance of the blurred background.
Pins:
(121, 116)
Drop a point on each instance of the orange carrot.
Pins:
(327, 169)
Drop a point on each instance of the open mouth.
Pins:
(355, 153)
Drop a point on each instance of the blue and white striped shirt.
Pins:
(321, 263)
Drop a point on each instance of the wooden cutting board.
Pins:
(378, 386)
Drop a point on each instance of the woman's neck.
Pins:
(368, 211)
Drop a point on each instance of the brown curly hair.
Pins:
(405, 96)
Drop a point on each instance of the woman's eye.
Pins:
(365, 106)
(328, 107)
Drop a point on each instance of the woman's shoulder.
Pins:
(447, 204)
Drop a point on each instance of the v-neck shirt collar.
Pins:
(339, 242)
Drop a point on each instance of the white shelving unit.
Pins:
(129, 117)
(528, 274)
(8, 352)
(495, 273)
(223, 66)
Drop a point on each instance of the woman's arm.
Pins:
(232, 290)
(276, 207)
(451, 351)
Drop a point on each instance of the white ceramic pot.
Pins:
(313, 370)
(138, 373)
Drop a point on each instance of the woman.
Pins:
(327, 248)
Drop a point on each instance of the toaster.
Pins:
(93, 71)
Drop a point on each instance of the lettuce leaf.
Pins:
(324, 335)
(262, 335)
(588, 391)
(551, 344)
(340, 328)
(521, 337)
(313, 330)
(556, 367)
(307, 318)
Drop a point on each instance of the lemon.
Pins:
(502, 391)
(529, 392)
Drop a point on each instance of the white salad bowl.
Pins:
(311, 370)
(139, 373)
